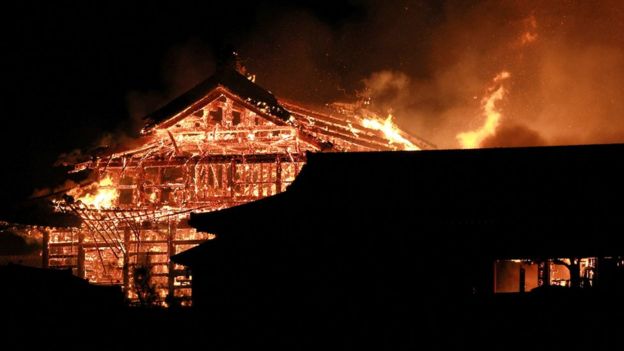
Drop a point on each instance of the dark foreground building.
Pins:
(400, 249)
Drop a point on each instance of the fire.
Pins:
(134, 217)
(530, 34)
(528, 38)
(473, 139)
(104, 196)
(390, 130)
(496, 93)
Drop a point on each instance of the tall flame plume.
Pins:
(473, 139)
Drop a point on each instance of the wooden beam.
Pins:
(81, 255)
(208, 159)
(126, 267)
(171, 251)
(45, 251)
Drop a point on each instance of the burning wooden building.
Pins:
(225, 142)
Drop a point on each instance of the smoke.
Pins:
(514, 136)
(391, 87)
(71, 157)
(430, 62)
(184, 66)
(66, 185)
(292, 57)
(12, 243)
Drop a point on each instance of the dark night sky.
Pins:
(75, 72)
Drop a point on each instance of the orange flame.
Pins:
(103, 198)
(530, 34)
(473, 139)
(528, 38)
(391, 132)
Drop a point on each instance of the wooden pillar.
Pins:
(81, 255)
(170, 252)
(45, 249)
(141, 197)
(278, 175)
(160, 199)
(126, 263)
(231, 177)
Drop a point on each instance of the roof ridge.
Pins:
(228, 78)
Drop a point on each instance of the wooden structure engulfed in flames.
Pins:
(225, 142)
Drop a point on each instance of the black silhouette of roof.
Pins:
(520, 202)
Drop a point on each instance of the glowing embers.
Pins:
(390, 131)
(99, 195)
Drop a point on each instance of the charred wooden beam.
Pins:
(125, 268)
(170, 252)
(81, 256)
(208, 159)
(45, 251)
